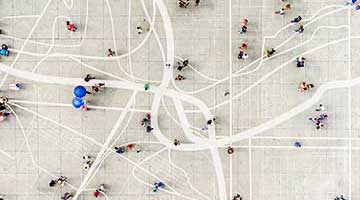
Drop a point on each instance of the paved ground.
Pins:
(261, 118)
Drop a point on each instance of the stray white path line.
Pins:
(231, 102)
(349, 106)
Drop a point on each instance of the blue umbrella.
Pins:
(80, 91)
(77, 102)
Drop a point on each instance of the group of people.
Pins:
(128, 147)
(4, 111)
(305, 86)
(180, 66)
(318, 121)
(242, 54)
(186, 3)
(146, 122)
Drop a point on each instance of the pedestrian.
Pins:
(2, 107)
(205, 129)
(149, 129)
(96, 193)
(148, 116)
(297, 144)
(98, 87)
(99, 191)
(145, 122)
(120, 150)
(70, 26)
(139, 29)
(157, 185)
(197, 2)
(176, 142)
(230, 150)
(244, 22)
(300, 61)
(237, 197)
(296, 19)
(319, 125)
(287, 6)
(242, 55)
(67, 196)
(52, 183)
(350, 2)
(4, 100)
(270, 52)
(179, 77)
(15, 86)
(146, 86)
(302, 87)
(320, 108)
(88, 77)
(185, 63)
(183, 3)
(87, 162)
(300, 29)
(323, 117)
(243, 29)
(85, 106)
(309, 86)
(243, 46)
(280, 12)
(4, 115)
(111, 53)
(61, 180)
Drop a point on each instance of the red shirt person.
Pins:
(70, 26)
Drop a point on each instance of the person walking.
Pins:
(176, 142)
(302, 87)
(296, 19)
(197, 2)
(70, 26)
(230, 150)
(4, 100)
(269, 53)
(243, 46)
(67, 196)
(320, 108)
(300, 29)
(98, 87)
(88, 77)
(297, 144)
(120, 150)
(111, 53)
(243, 29)
(237, 197)
(280, 12)
(179, 77)
(242, 55)
(244, 22)
(146, 86)
(300, 62)
(149, 129)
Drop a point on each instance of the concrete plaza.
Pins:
(261, 118)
